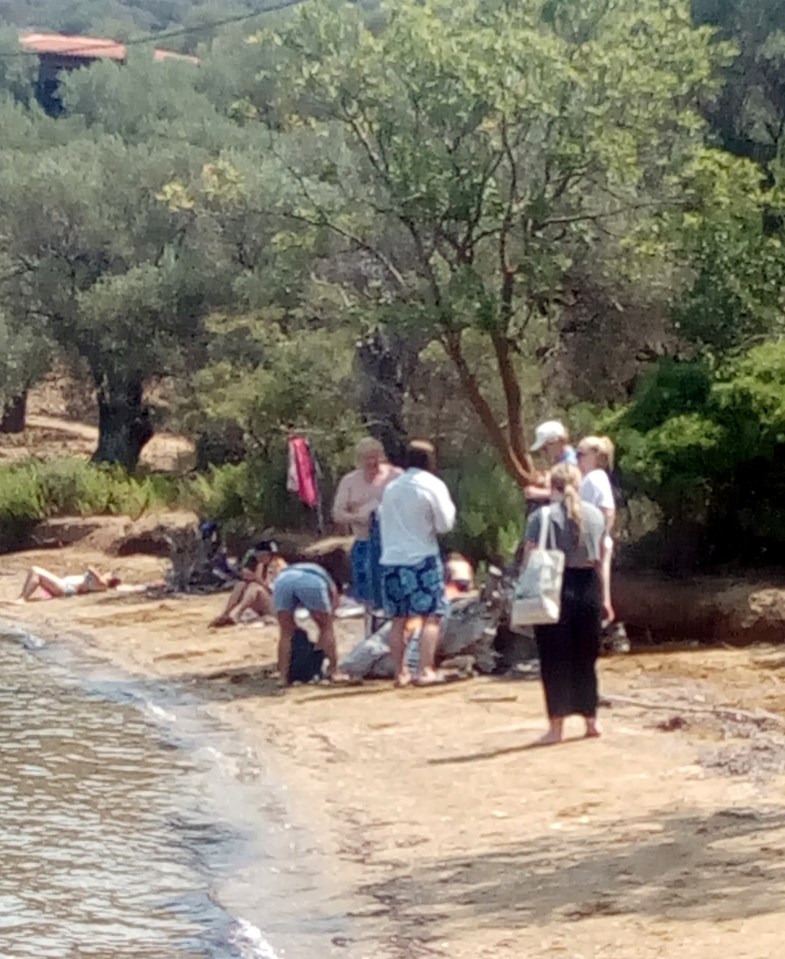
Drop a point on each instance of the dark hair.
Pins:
(421, 455)
(250, 561)
(266, 546)
(113, 582)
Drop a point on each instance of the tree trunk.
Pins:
(383, 362)
(124, 426)
(519, 469)
(14, 414)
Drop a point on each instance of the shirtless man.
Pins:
(357, 501)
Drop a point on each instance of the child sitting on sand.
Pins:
(54, 586)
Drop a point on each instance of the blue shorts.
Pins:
(415, 590)
(361, 572)
(366, 572)
(301, 588)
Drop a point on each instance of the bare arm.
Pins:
(95, 581)
(443, 509)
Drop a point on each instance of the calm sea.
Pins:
(134, 826)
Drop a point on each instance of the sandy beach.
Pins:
(445, 835)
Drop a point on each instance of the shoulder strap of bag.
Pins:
(545, 523)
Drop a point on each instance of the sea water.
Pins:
(126, 814)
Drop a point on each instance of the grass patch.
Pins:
(34, 490)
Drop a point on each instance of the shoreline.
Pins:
(444, 834)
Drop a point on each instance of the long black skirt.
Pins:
(569, 649)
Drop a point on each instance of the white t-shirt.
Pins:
(416, 508)
(596, 489)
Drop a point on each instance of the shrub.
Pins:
(490, 508)
(710, 452)
(36, 489)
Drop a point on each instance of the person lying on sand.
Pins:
(54, 586)
(259, 569)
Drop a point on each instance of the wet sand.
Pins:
(446, 835)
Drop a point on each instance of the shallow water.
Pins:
(126, 815)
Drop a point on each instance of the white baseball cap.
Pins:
(548, 432)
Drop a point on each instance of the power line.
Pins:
(156, 37)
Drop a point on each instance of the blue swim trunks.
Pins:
(366, 572)
(414, 590)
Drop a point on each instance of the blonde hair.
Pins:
(603, 447)
(566, 479)
(368, 445)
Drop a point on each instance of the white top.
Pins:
(415, 508)
(596, 489)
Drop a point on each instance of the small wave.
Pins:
(160, 713)
(21, 636)
(250, 943)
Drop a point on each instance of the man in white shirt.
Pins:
(416, 508)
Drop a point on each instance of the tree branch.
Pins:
(520, 472)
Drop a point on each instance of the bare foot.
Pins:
(339, 679)
(222, 621)
(430, 677)
(550, 738)
(403, 679)
(593, 731)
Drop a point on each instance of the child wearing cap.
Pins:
(553, 441)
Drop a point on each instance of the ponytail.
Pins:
(566, 479)
(572, 505)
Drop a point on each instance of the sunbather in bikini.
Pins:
(91, 581)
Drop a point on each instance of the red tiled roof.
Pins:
(87, 48)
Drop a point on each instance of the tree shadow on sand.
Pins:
(725, 866)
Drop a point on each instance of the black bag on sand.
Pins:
(306, 662)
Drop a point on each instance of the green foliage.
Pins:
(478, 152)
(712, 456)
(34, 490)
(490, 508)
(25, 355)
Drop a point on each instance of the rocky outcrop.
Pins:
(708, 609)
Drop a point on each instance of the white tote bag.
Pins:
(537, 596)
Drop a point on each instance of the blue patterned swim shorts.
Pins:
(414, 590)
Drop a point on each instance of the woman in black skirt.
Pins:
(569, 649)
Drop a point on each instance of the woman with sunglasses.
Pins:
(595, 460)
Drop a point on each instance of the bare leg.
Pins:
(257, 598)
(286, 626)
(225, 618)
(592, 729)
(554, 734)
(40, 577)
(326, 642)
(397, 642)
(429, 639)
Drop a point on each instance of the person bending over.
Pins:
(310, 587)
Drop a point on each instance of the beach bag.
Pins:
(306, 662)
(537, 596)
